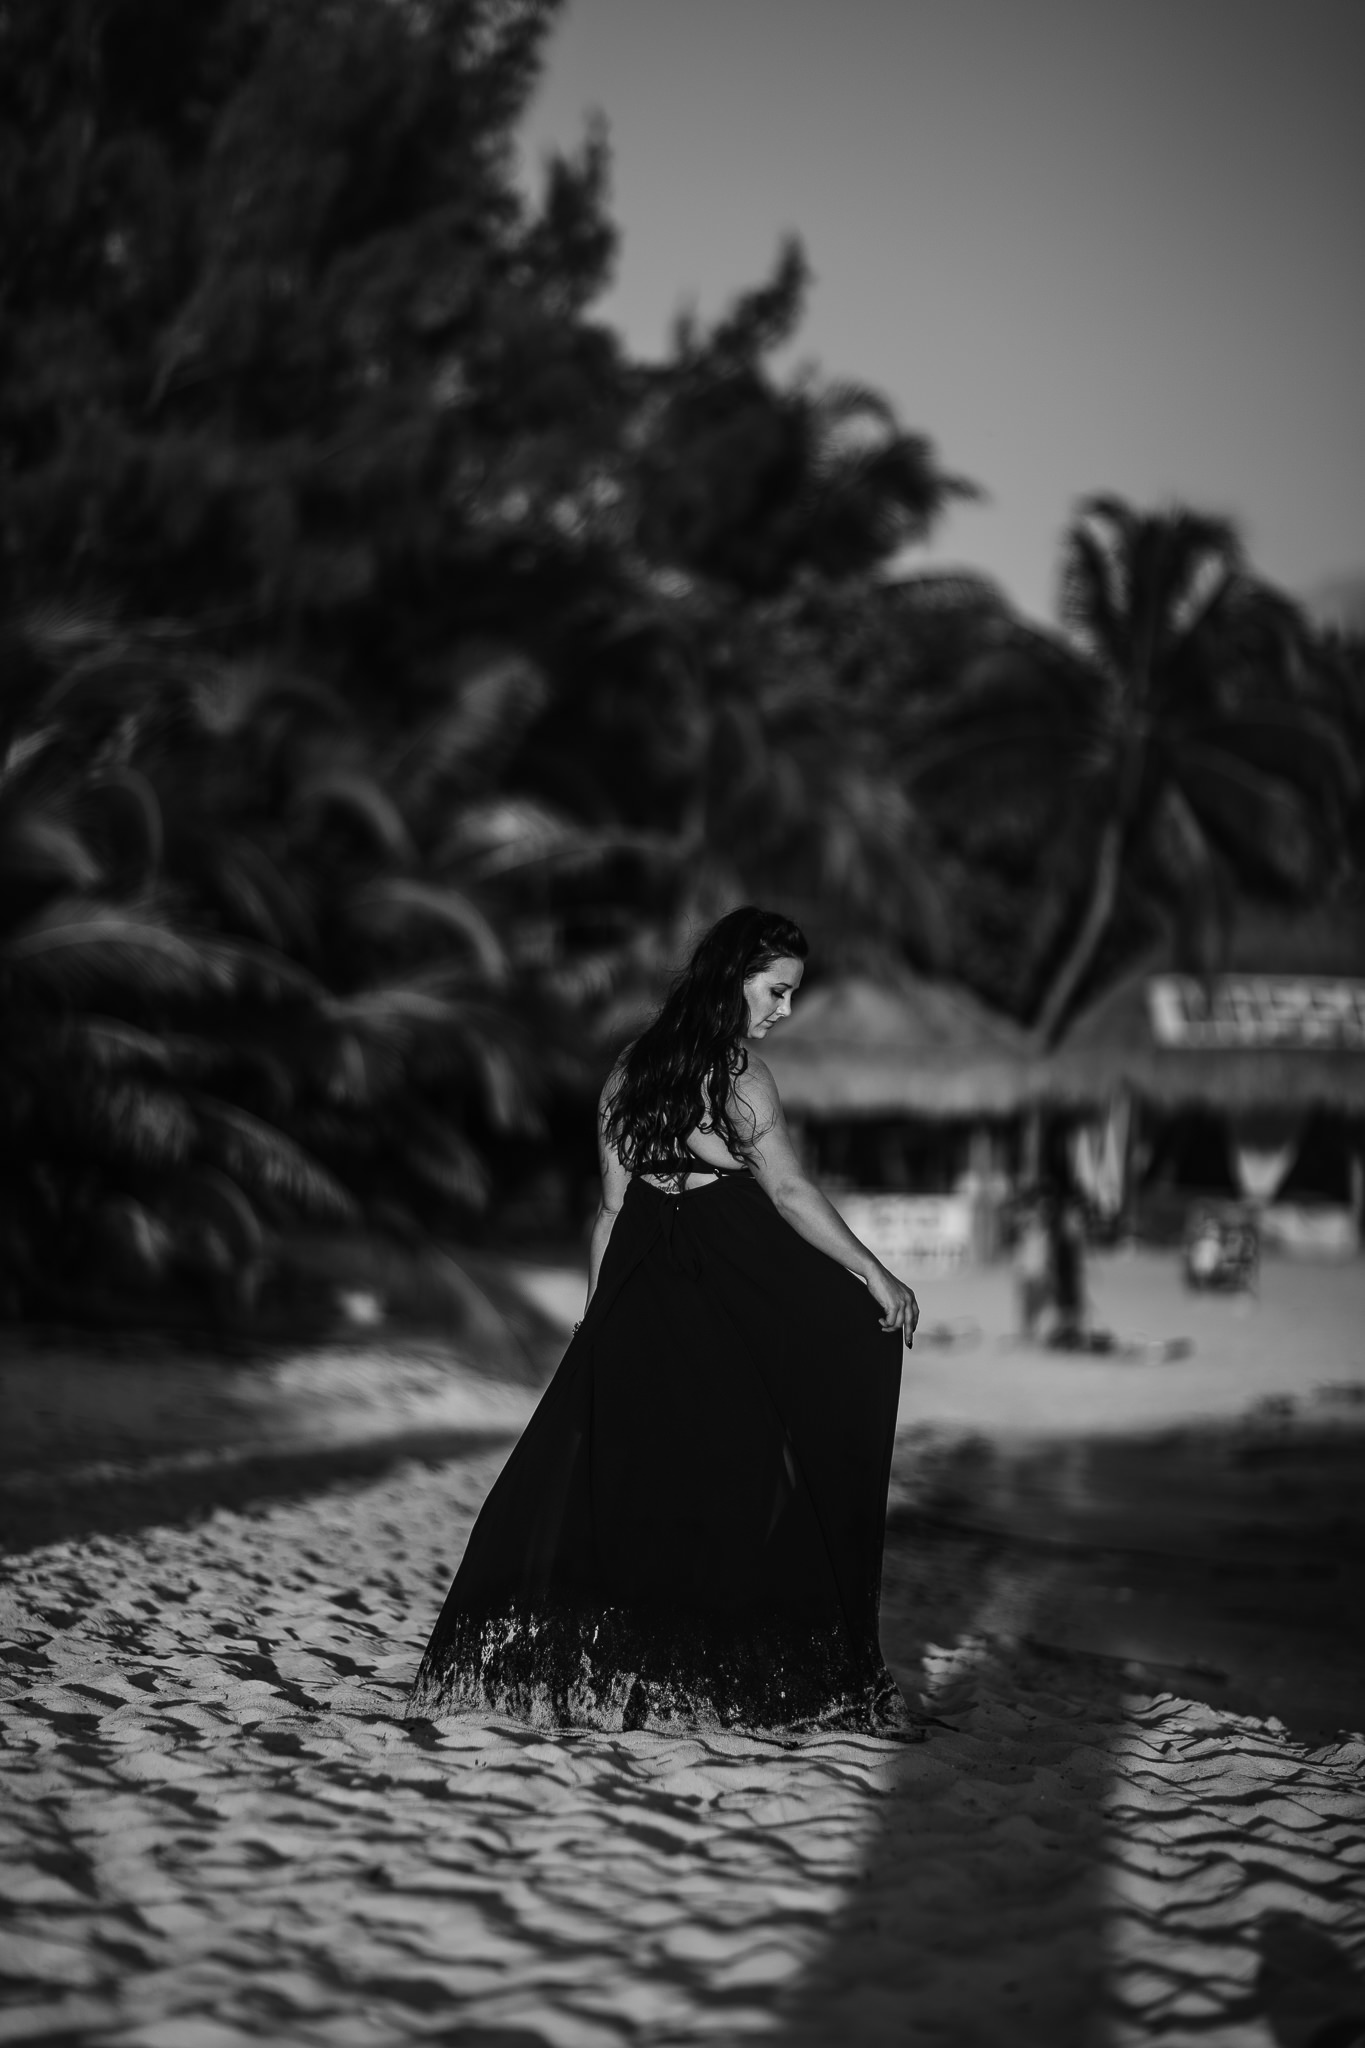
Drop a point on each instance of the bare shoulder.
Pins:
(756, 1075)
(755, 1087)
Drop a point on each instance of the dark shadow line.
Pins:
(1309, 1989)
(62, 1509)
(919, 1521)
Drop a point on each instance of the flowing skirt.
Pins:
(689, 1533)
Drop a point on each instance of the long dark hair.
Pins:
(689, 1056)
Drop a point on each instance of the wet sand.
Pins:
(217, 1828)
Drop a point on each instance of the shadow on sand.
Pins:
(54, 1507)
(1306, 1986)
(1146, 1652)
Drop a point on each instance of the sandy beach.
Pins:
(1143, 1821)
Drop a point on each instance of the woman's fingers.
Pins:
(904, 1316)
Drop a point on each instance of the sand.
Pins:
(1304, 1327)
(217, 1828)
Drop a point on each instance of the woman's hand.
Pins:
(900, 1310)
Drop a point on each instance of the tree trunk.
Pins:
(1085, 945)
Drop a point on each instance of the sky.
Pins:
(1081, 244)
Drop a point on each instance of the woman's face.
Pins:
(769, 994)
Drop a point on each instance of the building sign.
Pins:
(1286, 1011)
(910, 1230)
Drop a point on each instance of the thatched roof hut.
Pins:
(1282, 1026)
(923, 1049)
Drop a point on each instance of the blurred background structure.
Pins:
(399, 669)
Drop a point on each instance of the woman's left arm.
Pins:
(771, 1158)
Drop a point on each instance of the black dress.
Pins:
(689, 1533)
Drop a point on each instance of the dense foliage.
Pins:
(393, 671)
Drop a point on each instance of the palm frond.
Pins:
(228, 697)
(1296, 744)
(361, 1070)
(358, 796)
(502, 1082)
(393, 902)
(122, 685)
(1113, 515)
(257, 1155)
(585, 977)
(136, 1123)
(130, 1234)
(952, 591)
(111, 1045)
(62, 632)
(1134, 584)
(23, 749)
(442, 1156)
(1006, 741)
(495, 693)
(42, 846)
(1177, 845)
(251, 886)
(1192, 892)
(79, 944)
(517, 834)
(1090, 605)
(845, 398)
(206, 1193)
(395, 1012)
(1270, 827)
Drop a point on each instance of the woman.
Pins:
(689, 1534)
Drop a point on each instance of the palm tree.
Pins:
(750, 483)
(255, 966)
(1182, 719)
(133, 1154)
(132, 1162)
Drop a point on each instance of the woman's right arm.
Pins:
(771, 1158)
(615, 1181)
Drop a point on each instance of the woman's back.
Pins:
(704, 1145)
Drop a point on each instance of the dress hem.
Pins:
(603, 1668)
